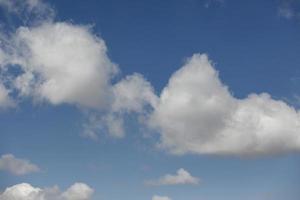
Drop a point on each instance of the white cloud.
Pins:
(156, 197)
(197, 114)
(20, 192)
(5, 99)
(17, 166)
(64, 63)
(182, 177)
(78, 191)
(24, 191)
(133, 94)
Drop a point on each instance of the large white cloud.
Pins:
(67, 63)
(182, 177)
(197, 114)
(17, 166)
(64, 63)
(24, 191)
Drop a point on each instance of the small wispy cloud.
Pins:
(289, 9)
(28, 11)
(156, 197)
(182, 177)
(210, 3)
(17, 166)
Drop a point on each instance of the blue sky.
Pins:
(253, 46)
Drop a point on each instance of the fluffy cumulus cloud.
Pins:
(24, 191)
(17, 166)
(197, 114)
(133, 94)
(66, 63)
(182, 177)
(78, 191)
(156, 197)
(63, 63)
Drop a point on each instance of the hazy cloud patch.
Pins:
(182, 177)
(156, 197)
(289, 9)
(17, 166)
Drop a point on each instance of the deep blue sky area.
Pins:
(252, 46)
